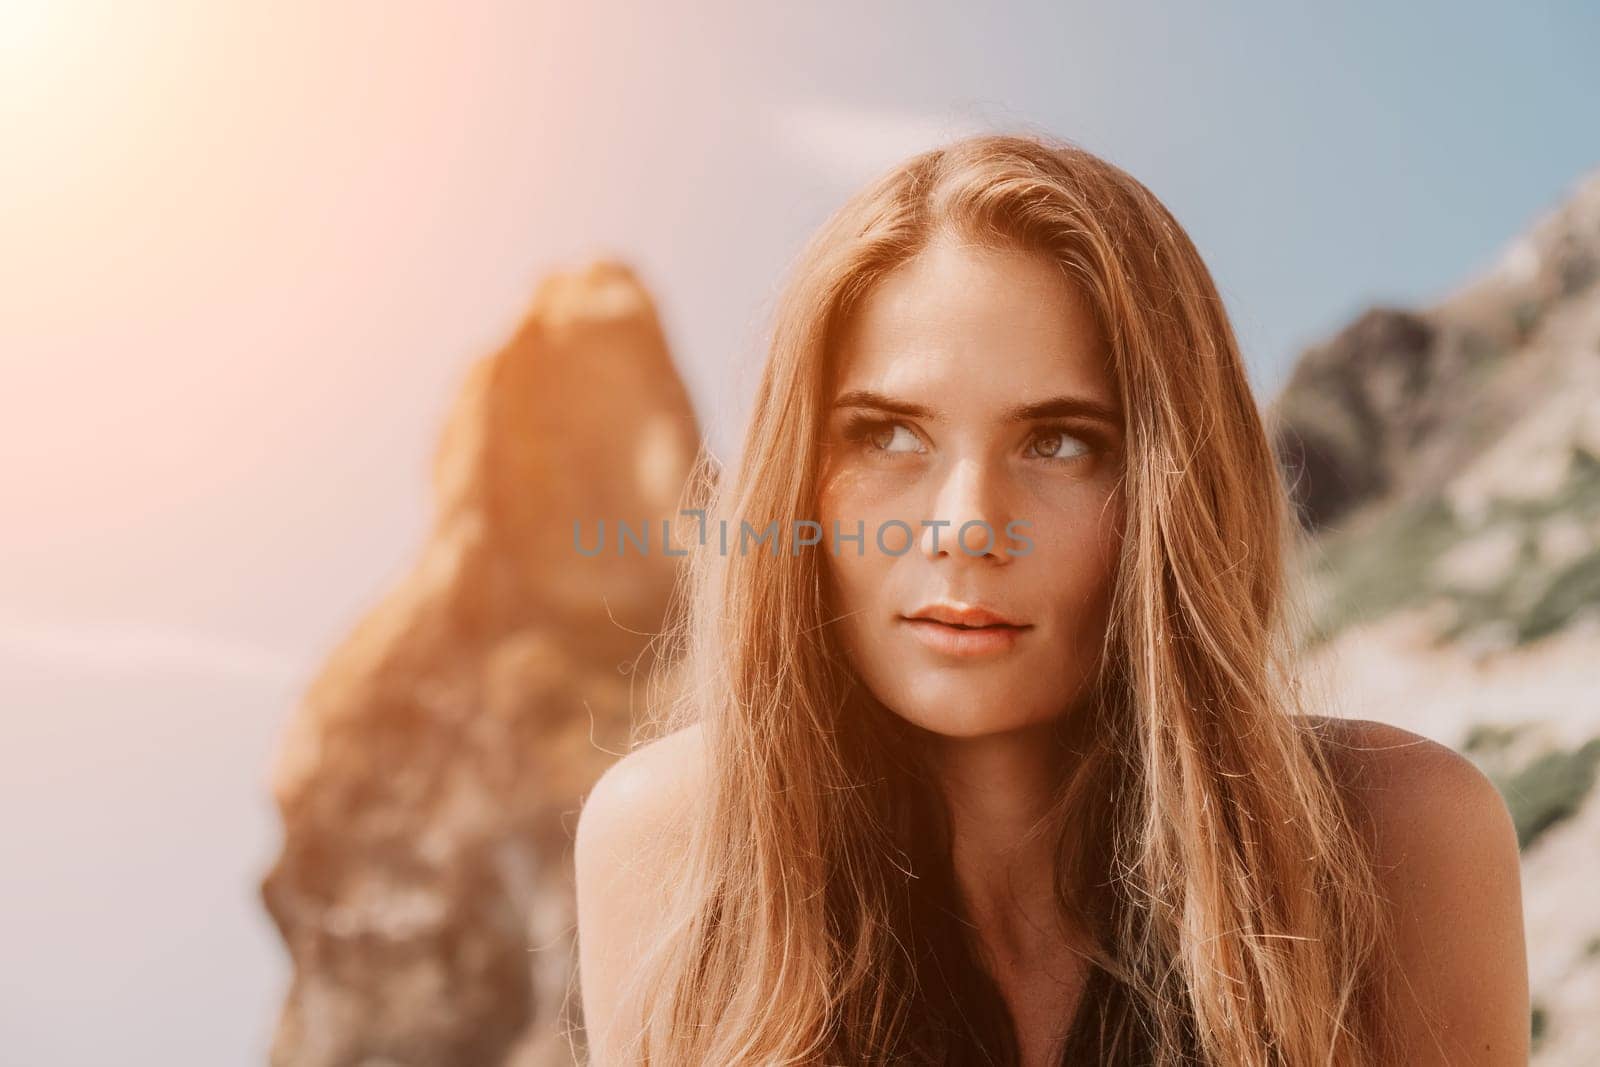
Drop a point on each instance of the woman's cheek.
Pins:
(1082, 507)
(853, 493)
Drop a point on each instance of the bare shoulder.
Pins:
(637, 812)
(1412, 787)
(1390, 768)
(1446, 856)
(631, 833)
(645, 788)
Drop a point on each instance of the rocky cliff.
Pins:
(1447, 459)
(429, 779)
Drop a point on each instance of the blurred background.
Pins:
(321, 322)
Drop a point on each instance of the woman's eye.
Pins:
(895, 438)
(1058, 444)
(885, 436)
(881, 435)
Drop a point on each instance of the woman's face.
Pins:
(972, 389)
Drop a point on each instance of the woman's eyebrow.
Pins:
(866, 398)
(1052, 407)
(1066, 407)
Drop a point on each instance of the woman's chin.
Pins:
(967, 719)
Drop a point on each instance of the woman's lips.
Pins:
(965, 641)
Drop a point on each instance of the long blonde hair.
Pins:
(1203, 837)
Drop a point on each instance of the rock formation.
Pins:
(1447, 460)
(430, 778)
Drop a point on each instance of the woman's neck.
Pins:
(999, 790)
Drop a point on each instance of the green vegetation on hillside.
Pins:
(1386, 562)
(1550, 788)
(1540, 790)
(1367, 572)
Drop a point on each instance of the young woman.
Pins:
(1010, 765)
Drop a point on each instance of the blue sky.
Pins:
(248, 251)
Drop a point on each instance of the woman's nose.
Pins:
(968, 517)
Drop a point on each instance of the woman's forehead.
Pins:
(969, 326)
